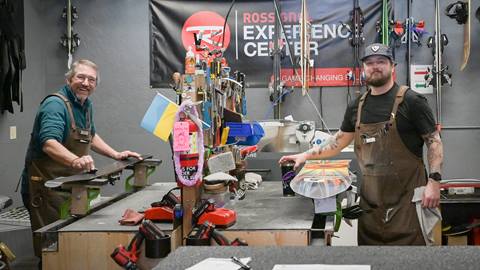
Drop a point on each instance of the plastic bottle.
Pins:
(177, 215)
(198, 65)
(190, 61)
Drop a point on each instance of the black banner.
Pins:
(249, 34)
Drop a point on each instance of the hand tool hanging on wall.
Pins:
(477, 14)
(460, 11)
(355, 27)
(70, 40)
(438, 75)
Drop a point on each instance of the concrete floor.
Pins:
(19, 241)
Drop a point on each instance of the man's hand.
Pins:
(431, 195)
(299, 159)
(126, 154)
(84, 163)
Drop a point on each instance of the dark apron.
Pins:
(45, 203)
(390, 174)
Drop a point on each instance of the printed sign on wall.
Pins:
(248, 37)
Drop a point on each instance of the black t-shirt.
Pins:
(414, 116)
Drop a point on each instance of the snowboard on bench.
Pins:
(111, 171)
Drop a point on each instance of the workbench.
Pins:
(379, 257)
(264, 217)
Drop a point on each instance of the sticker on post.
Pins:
(181, 138)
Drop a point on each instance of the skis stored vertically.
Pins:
(357, 39)
(438, 75)
(408, 25)
(70, 40)
(408, 32)
(385, 27)
(305, 47)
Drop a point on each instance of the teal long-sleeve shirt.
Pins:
(53, 122)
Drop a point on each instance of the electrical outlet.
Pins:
(13, 132)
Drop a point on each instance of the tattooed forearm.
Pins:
(434, 151)
(330, 144)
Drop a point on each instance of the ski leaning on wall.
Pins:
(460, 11)
(438, 75)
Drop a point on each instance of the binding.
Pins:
(458, 11)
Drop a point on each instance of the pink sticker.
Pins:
(181, 139)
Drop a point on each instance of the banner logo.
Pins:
(208, 27)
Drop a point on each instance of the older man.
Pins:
(389, 125)
(63, 133)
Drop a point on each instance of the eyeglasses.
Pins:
(82, 78)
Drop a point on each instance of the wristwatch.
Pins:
(435, 176)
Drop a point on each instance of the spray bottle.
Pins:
(190, 61)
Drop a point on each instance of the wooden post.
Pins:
(189, 199)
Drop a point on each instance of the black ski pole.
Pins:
(409, 28)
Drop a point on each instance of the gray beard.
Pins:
(379, 81)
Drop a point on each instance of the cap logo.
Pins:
(375, 48)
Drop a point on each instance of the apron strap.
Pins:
(359, 110)
(88, 120)
(69, 109)
(398, 100)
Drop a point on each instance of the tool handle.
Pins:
(220, 239)
(239, 242)
(153, 228)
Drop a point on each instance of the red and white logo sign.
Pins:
(208, 26)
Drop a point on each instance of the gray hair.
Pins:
(73, 69)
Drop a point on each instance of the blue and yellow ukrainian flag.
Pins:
(159, 117)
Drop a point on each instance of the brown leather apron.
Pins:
(45, 203)
(390, 174)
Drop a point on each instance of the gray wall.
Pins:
(115, 35)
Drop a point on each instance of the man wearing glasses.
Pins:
(63, 133)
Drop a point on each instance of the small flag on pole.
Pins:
(159, 117)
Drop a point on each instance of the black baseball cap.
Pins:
(378, 49)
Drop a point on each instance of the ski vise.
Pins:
(163, 211)
(220, 217)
